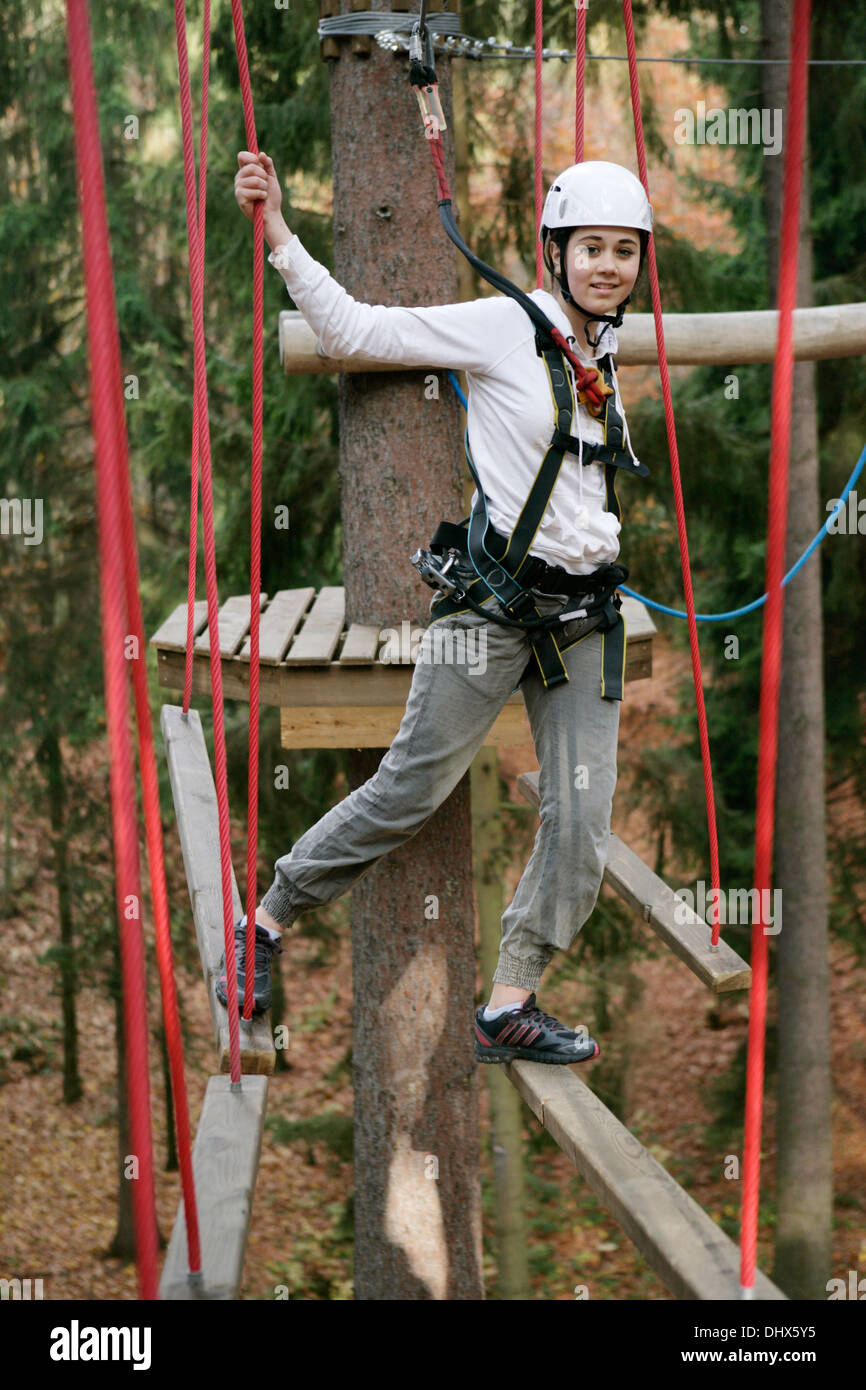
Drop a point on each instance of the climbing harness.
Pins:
(501, 563)
(517, 584)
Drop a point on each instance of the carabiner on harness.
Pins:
(422, 77)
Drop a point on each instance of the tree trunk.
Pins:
(122, 1246)
(51, 758)
(417, 1199)
(506, 1119)
(6, 890)
(506, 1106)
(804, 1170)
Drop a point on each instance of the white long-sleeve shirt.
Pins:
(510, 407)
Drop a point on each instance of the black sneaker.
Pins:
(265, 947)
(529, 1035)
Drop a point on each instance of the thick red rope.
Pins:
(771, 659)
(255, 514)
(539, 172)
(106, 388)
(675, 476)
(193, 504)
(196, 280)
(579, 81)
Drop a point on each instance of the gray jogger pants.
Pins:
(462, 678)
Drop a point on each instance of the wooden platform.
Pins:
(337, 686)
(722, 970)
(691, 1254)
(225, 1160)
(195, 805)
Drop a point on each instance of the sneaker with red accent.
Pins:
(530, 1035)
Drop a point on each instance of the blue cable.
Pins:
(749, 607)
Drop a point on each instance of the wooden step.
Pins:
(225, 1161)
(195, 806)
(683, 1244)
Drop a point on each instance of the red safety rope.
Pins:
(106, 386)
(580, 53)
(539, 172)
(196, 281)
(193, 503)
(675, 476)
(255, 516)
(771, 659)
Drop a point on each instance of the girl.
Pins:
(594, 232)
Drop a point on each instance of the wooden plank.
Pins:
(283, 686)
(691, 1254)
(375, 726)
(195, 805)
(639, 625)
(225, 1161)
(234, 624)
(722, 970)
(828, 331)
(278, 624)
(317, 640)
(172, 634)
(361, 647)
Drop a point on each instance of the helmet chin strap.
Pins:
(613, 319)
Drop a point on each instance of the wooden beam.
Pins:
(225, 1160)
(832, 330)
(691, 1254)
(674, 921)
(195, 805)
(375, 726)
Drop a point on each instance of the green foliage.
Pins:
(320, 1265)
(26, 1041)
(331, 1128)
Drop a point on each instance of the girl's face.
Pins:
(602, 264)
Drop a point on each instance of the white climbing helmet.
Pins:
(596, 194)
(593, 194)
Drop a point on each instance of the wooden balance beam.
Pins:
(722, 970)
(336, 686)
(827, 331)
(195, 805)
(225, 1160)
(691, 1254)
